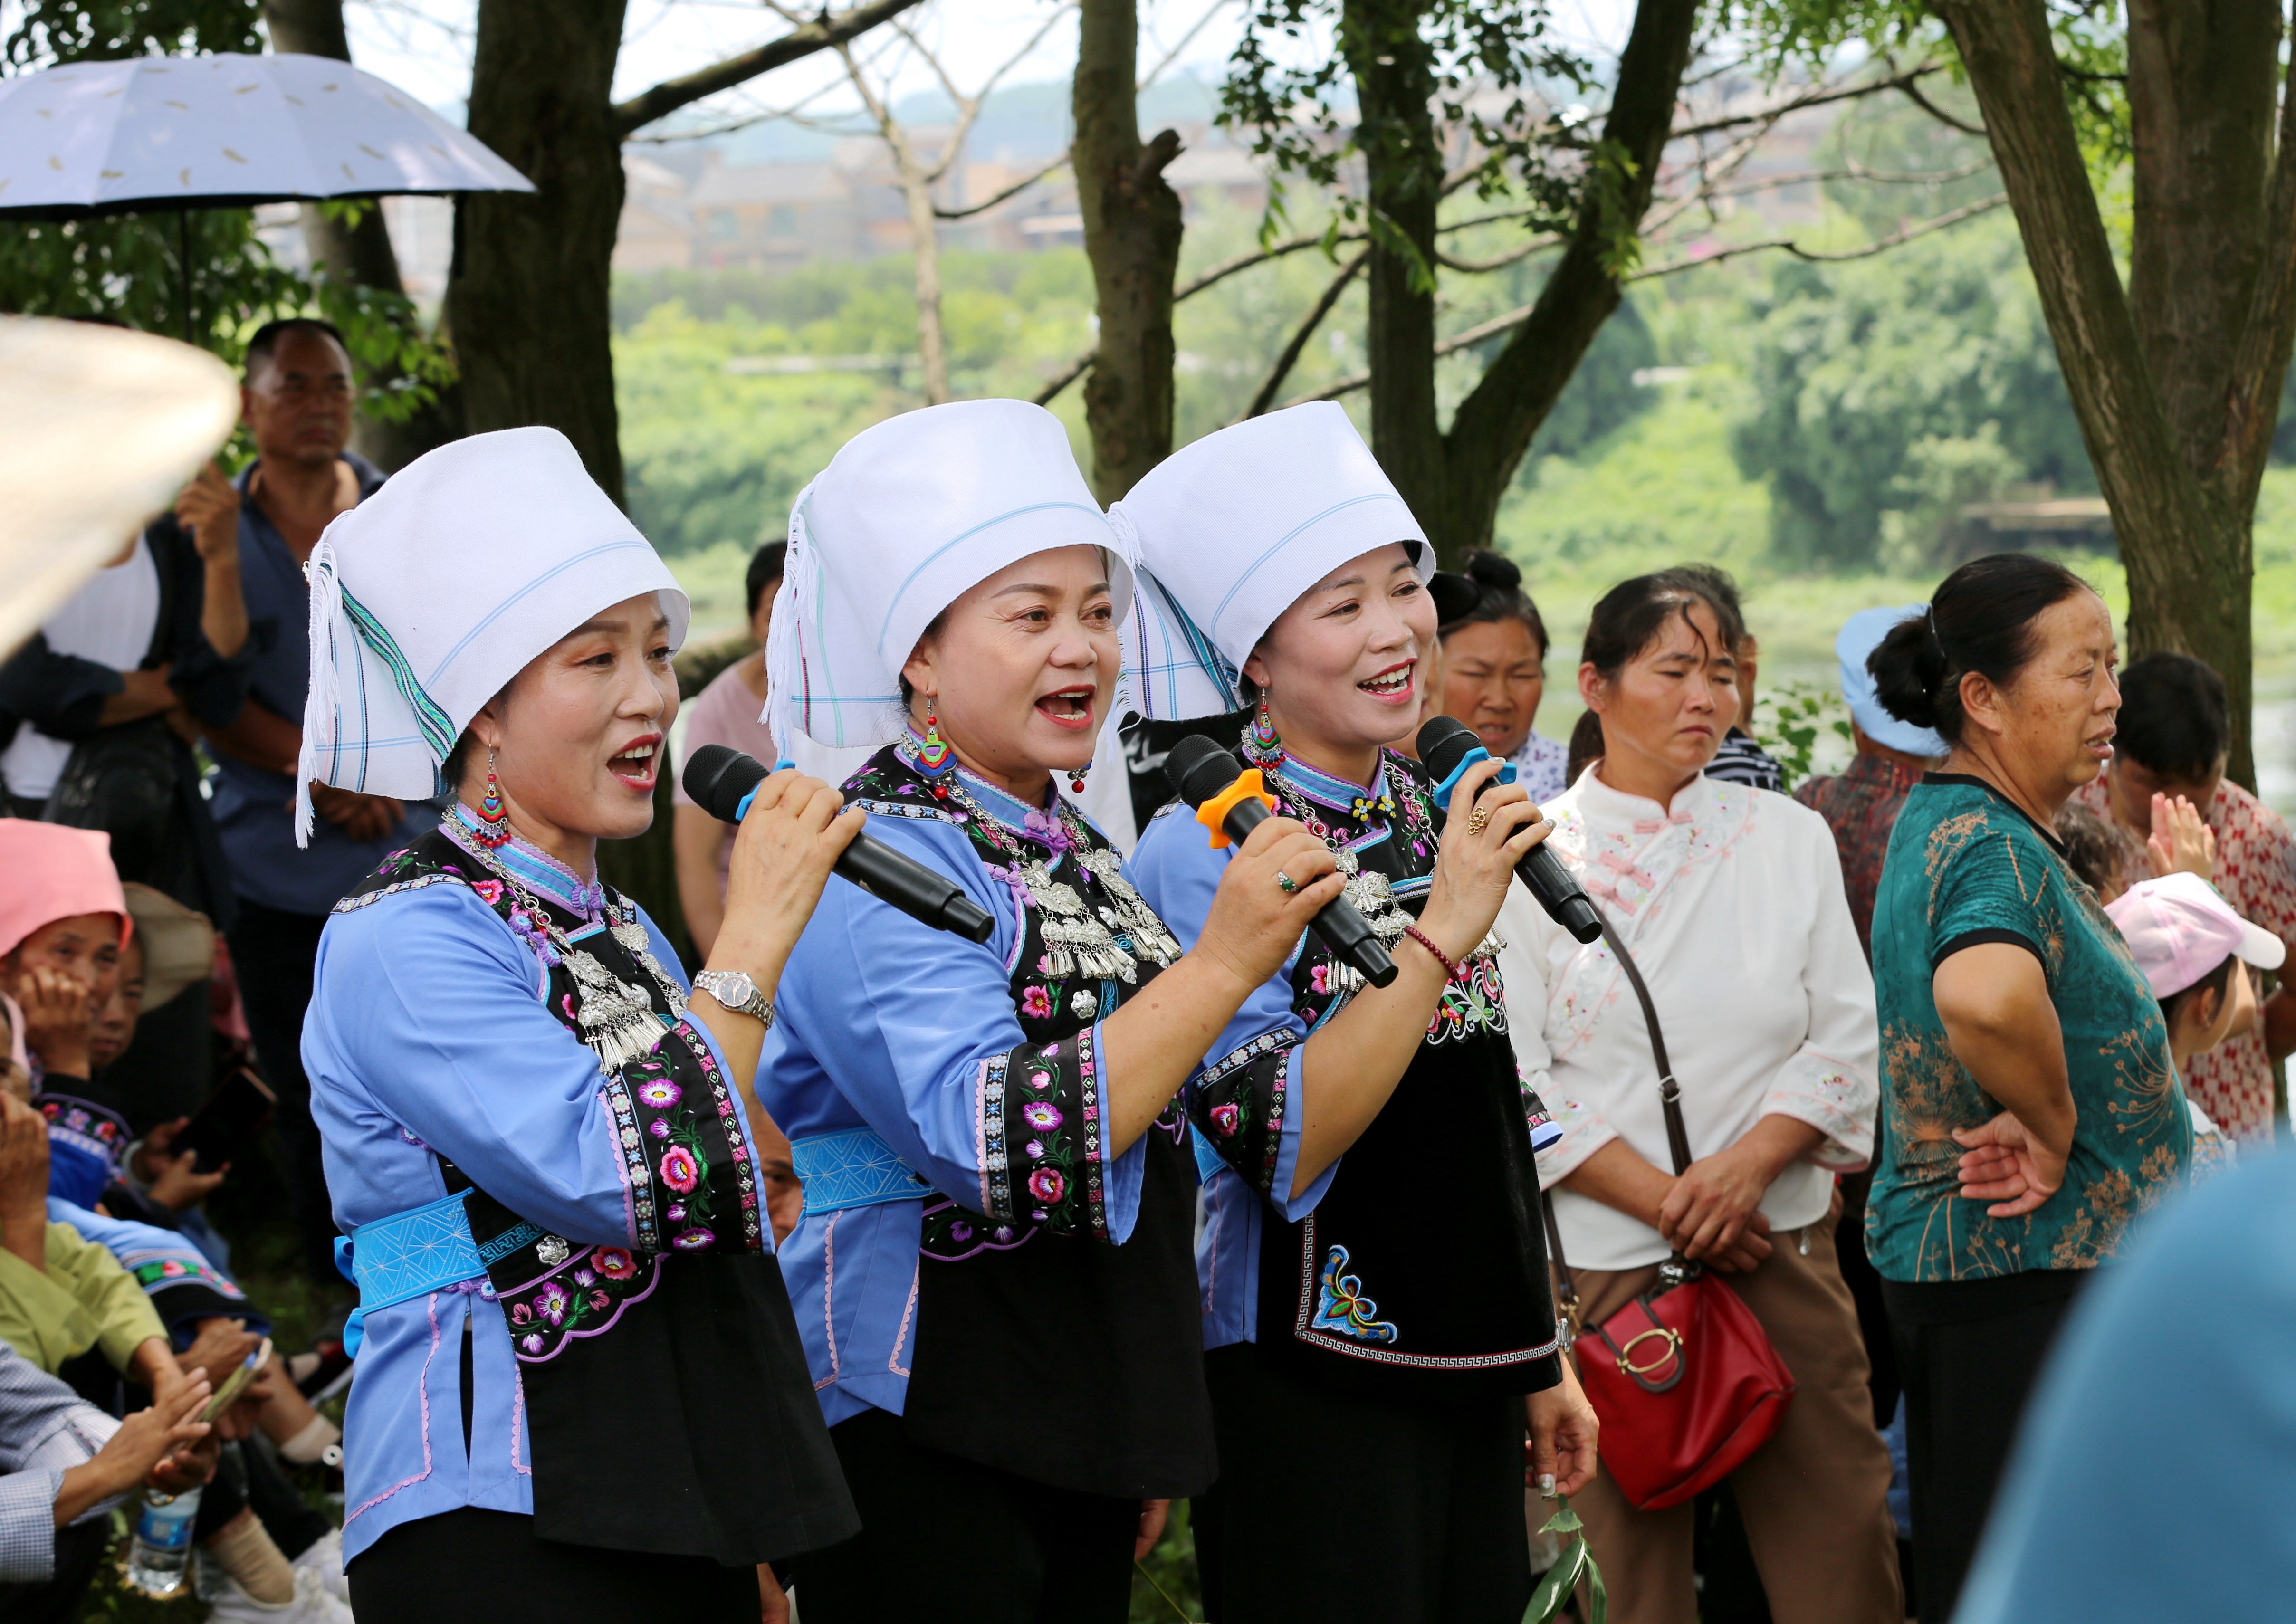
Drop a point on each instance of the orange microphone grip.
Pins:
(1214, 812)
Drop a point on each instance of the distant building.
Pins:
(656, 232)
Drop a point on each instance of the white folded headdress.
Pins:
(1229, 531)
(428, 597)
(905, 519)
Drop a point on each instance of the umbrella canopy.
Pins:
(223, 131)
(99, 429)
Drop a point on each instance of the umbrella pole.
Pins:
(184, 262)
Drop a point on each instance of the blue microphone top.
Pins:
(1443, 790)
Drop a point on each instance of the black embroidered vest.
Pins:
(1423, 1271)
(1041, 1349)
(721, 1452)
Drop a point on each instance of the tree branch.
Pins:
(1815, 98)
(1067, 375)
(1307, 329)
(1013, 191)
(823, 33)
(1913, 93)
(1880, 245)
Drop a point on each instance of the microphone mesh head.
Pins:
(1199, 768)
(1443, 742)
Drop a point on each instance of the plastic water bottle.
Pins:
(162, 1546)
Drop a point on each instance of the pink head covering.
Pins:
(2180, 930)
(49, 873)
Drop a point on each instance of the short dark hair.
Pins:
(2218, 982)
(266, 339)
(765, 569)
(1980, 619)
(1628, 617)
(2092, 850)
(1499, 596)
(2173, 716)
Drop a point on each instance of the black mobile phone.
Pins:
(219, 1128)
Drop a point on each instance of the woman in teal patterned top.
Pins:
(2029, 1108)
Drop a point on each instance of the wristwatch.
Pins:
(735, 992)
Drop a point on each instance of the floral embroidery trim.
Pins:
(1340, 1305)
(1221, 1096)
(1305, 1329)
(996, 1167)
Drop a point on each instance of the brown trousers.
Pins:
(1814, 1499)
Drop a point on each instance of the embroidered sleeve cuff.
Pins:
(1044, 1159)
(1293, 1208)
(1584, 1131)
(1836, 1100)
(684, 1150)
(1122, 1175)
(1241, 1102)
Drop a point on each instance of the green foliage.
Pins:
(50, 32)
(1558, 1589)
(1307, 111)
(1165, 1586)
(1788, 718)
(1940, 344)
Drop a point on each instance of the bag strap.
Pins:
(1669, 1098)
(1670, 1092)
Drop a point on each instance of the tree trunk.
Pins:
(2167, 398)
(358, 254)
(1453, 479)
(1393, 69)
(1493, 425)
(527, 297)
(1132, 232)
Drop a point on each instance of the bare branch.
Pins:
(1808, 99)
(1879, 177)
(1513, 256)
(1953, 217)
(1913, 93)
(1067, 375)
(1173, 55)
(1013, 191)
(1314, 319)
(822, 34)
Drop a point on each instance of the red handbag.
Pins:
(1683, 1378)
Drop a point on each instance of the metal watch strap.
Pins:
(757, 1006)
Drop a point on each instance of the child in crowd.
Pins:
(2193, 952)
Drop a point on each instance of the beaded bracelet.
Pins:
(1450, 965)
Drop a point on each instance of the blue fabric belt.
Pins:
(852, 1168)
(409, 1254)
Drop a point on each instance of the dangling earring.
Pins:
(1076, 779)
(494, 816)
(1264, 740)
(934, 756)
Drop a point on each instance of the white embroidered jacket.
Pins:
(1731, 902)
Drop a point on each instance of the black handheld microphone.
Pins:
(1444, 743)
(1203, 773)
(721, 781)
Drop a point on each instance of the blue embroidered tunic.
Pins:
(947, 1051)
(428, 1042)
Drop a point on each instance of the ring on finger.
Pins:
(1286, 883)
(1478, 820)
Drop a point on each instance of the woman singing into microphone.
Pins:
(1373, 1276)
(992, 1274)
(581, 1393)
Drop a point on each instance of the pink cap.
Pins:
(54, 873)
(2180, 930)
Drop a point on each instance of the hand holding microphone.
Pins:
(1445, 746)
(722, 782)
(1206, 777)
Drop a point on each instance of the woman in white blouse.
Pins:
(1730, 900)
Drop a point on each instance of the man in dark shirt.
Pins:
(296, 402)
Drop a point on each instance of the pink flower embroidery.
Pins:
(614, 1263)
(489, 891)
(520, 1314)
(692, 1240)
(1047, 1186)
(551, 1302)
(1225, 1119)
(1036, 1003)
(1042, 1115)
(532, 1344)
(601, 1301)
(661, 1093)
(679, 1170)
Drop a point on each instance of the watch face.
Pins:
(738, 989)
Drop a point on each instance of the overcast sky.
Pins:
(424, 45)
